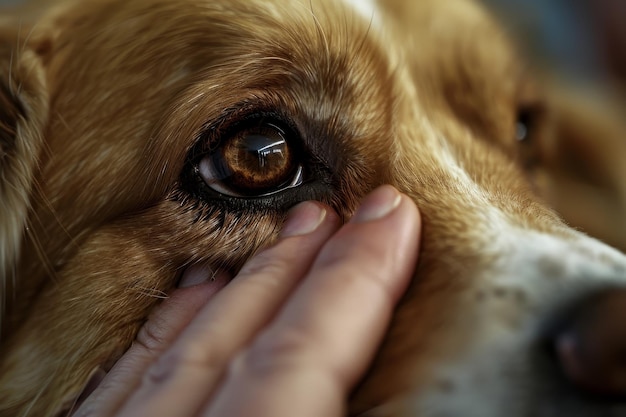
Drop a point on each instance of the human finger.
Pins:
(306, 362)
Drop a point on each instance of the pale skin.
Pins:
(290, 335)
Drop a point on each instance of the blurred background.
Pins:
(582, 39)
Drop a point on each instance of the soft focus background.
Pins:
(582, 39)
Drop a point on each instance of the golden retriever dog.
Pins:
(140, 138)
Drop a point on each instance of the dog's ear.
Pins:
(23, 115)
(581, 163)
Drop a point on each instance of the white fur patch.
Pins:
(497, 373)
(530, 277)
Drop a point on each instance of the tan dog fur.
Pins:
(117, 93)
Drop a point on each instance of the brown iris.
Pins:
(254, 161)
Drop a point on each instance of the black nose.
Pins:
(590, 345)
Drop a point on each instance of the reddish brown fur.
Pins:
(132, 86)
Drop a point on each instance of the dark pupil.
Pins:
(256, 161)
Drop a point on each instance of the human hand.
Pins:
(290, 335)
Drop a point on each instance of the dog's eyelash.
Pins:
(193, 195)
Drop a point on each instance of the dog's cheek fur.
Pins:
(23, 114)
(93, 169)
(115, 280)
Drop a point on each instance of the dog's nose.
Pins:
(590, 345)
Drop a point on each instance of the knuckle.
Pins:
(356, 282)
(363, 254)
(192, 356)
(277, 350)
(152, 336)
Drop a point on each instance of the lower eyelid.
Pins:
(298, 179)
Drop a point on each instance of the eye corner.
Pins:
(531, 130)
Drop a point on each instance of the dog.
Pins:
(140, 138)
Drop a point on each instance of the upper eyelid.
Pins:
(207, 139)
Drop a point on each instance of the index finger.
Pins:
(322, 341)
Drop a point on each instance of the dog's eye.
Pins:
(530, 131)
(524, 124)
(254, 161)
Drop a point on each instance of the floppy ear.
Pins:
(581, 165)
(23, 114)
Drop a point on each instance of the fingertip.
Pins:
(303, 219)
(307, 217)
(386, 201)
(378, 204)
(382, 241)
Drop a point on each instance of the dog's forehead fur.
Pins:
(201, 52)
(134, 85)
(196, 55)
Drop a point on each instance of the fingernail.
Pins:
(197, 274)
(378, 204)
(303, 219)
